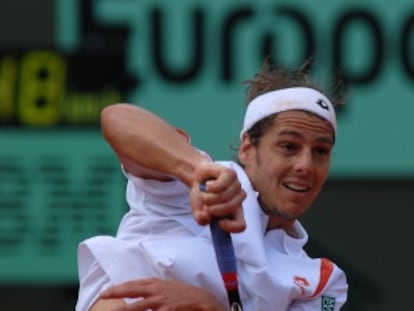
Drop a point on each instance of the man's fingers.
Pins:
(226, 205)
(234, 225)
(217, 192)
(233, 194)
(119, 292)
(229, 208)
(160, 295)
(202, 217)
(131, 289)
(142, 305)
(222, 181)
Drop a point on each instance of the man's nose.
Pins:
(304, 162)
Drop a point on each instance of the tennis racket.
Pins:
(226, 260)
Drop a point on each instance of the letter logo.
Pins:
(323, 104)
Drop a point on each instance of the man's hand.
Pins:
(162, 295)
(222, 198)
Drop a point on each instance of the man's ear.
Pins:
(246, 149)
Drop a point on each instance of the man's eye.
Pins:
(288, 147)
(323, 151)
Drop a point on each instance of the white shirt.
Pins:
(159, 237)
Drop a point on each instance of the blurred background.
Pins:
(62, 61)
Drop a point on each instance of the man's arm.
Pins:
(158, 294)
(150, 147)
(147, 145)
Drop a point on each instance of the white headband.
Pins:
(295, 98)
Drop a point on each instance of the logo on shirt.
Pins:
(302, 283)
(328, 303)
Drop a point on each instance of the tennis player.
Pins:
(162, 257)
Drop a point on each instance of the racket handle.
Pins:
(223, 247)
(225, 256)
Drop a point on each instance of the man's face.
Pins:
(289, 165)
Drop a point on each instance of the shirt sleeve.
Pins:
(164, 197)
(92, 282)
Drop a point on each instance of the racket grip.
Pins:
(225, 256)
(223, 247)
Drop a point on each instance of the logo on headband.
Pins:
(323, 104)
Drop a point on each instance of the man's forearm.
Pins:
(149, 141)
